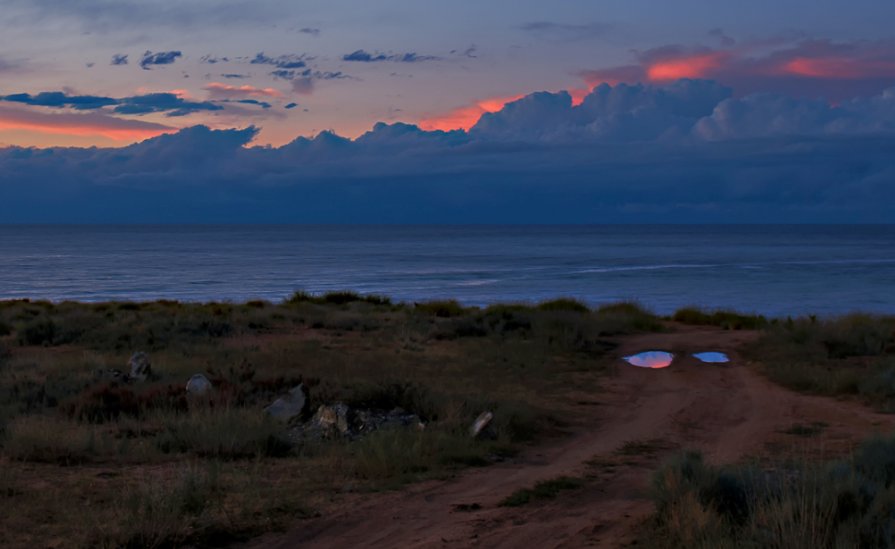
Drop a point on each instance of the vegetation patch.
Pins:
(547, 489)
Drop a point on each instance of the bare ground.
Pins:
(641, 416)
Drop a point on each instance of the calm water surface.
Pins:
(768, 269)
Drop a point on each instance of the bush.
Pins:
(564, 304)
(842, 504)
(443, 309)
(729, 320)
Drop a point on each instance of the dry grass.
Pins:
(88, 452)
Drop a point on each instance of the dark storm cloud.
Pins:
(159, 58)
(61, 100)
(289, 61)
(363, 56)
(167, 103)
(687, 152)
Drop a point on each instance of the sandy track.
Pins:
(728, 412)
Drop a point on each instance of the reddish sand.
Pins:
(728, 411)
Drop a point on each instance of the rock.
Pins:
(333, 419)
(290, 406)
(481, 424)
(198, 385)
(140, 366)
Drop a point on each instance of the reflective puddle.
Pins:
(712, 357)
(650, 359)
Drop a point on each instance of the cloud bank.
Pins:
(687, 151)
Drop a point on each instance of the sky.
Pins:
(414, 110)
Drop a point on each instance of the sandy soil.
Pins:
(728, 411)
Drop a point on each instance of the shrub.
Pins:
(625, 318)
(729, 320)
(564, 304)
(40, 331)
(443, 308)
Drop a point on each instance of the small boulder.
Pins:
(198, 385)
(333, 419)
(290, 406)
(140, 366)
(480, 426)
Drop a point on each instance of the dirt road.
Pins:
(727, 411)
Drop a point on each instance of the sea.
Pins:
(767, 269)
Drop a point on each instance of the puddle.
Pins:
(650, 359)
(712, 357)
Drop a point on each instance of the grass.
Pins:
(852, 355)
(544, 490)
(199, 471)
(846, 503)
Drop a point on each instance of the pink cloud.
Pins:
(92, 124)
(227, 91)
(811, 67)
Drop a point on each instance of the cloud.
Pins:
(289, 61)
(363, 56)
(61, 100)
(689, 151)
(262, 104)
(89, 124)
(119, 59)
(219, 90)
(159, 58)
(470, 52)
(168, 103)
(303, 81)
(465, 117)
(290, 105)
(310, 30)
(566, 32)
(807, 68)
(213, 60)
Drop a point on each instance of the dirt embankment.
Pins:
(727, 411)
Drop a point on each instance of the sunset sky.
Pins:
(419, 111)
(296, 68)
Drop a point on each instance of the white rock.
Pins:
(198, 385)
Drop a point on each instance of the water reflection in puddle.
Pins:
(650, 359)
(712, 357)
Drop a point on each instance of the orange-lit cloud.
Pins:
(837, 67)
(690, 66)
(218, 89)
(80, 125)
(464, 118)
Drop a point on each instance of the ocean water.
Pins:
(774, 270)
